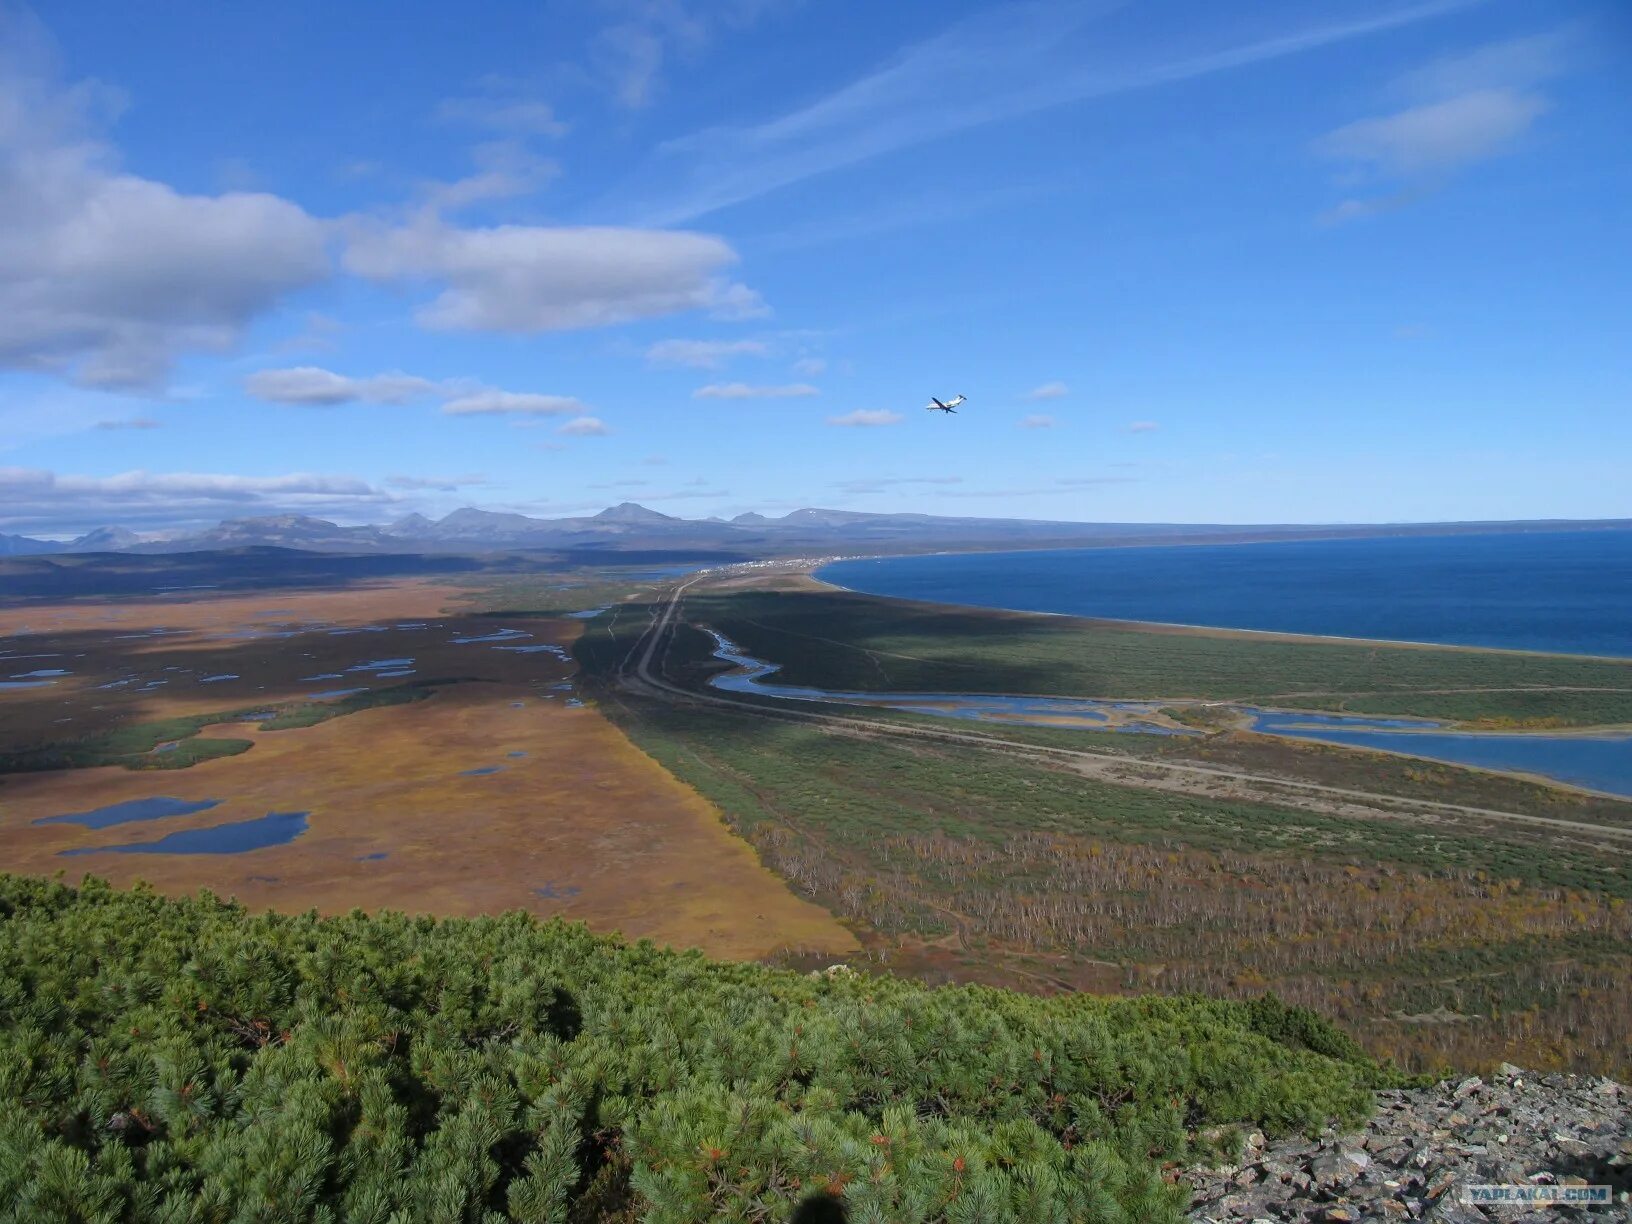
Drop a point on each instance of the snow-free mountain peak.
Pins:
(631, 512)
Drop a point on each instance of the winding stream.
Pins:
(1600, 761)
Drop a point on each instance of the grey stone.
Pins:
(1422, 1145)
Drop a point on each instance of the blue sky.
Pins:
(1362, 260)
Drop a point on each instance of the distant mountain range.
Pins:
(631, 527)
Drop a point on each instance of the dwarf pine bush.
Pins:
(190, 1061)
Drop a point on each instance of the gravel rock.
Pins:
(1423, 1145)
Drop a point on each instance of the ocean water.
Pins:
(1566, 591)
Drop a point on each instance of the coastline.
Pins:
(806, 569)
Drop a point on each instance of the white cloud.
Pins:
(526, 278)
(1437, 137)
(739, 390)
(315, 386)
(505, 169)
(311, 385)
(867, 419)
(1048, 391)
(440, 484)
(732, 303)
(1037, 420)
(704, 354)
(106, 277)
(585, 427)
(129, 423)
(1028, 57)
(489, 403)
(1143, 427)
(810, 367)
(44, 500)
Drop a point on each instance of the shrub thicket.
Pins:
(187, 1060)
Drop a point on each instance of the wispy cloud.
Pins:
(1027, 57)
(515, 403)
(865, 419)
(1436, 137)
(129, 423)
(317, 387)
(438, 484)
(1143, 427)
(1517, 63)
(703, 354)
(1043, 490)
(319, 333)
(504, 106)
(737, 390)
(504, 170)
(1037, 420)
(313, 386)
(585, 427)
(1466, 109)
(632, 52)
(1049, 391)
(878, 484)
(46, 500)
(877, 219)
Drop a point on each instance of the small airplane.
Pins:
(950, 405)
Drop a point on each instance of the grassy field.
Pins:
(860, 643)
(550, 594)
(476, 783)
(689, 659)
(133, 745)
(984, 869)
(1435, 941)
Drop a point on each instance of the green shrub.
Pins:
(171, 1060)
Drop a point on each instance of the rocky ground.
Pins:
(1424, 1145)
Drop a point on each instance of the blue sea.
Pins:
(1565, 591)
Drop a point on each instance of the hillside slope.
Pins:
(167, 1060)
